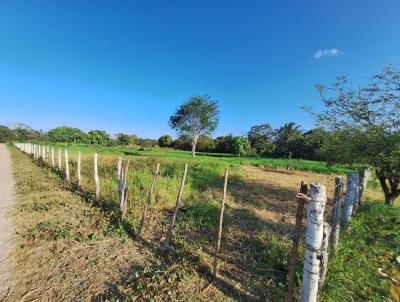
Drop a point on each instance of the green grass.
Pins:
(213, 158)
(371, 241)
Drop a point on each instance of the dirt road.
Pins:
(6, 199)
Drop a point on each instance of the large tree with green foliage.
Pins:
(67, 135)
(288, 140)
(6, 134)
(261, 138)
(365, 125)
(198, 116)
(99, 137)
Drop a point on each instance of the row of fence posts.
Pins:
(317, 233)
(318, 230)
(38, 152)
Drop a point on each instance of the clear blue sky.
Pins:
(124, 66)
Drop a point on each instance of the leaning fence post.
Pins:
(302, 198)
(146, 206)
(221, 218)
(66, 165)
(351, 187)
(96, 178)
(314, 235)
(166, 245)
(337, 211)
(79, 170)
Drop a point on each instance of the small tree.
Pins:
(241, 146)
(365, 126)
(165, 141)
(198, 116)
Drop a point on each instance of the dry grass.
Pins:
(70, 250)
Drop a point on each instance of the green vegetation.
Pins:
(219, 159)
(372, 241)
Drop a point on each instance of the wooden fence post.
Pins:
(166, 245)
(66, 164)
(221, 218)
(146, 205)
(364, 177)
(301, 200)
(337, 211)
(324, 255)
(59, 158)
(123, 195)
(351, 187)
(96, 178)
(52, 157)
(44, 153)
(314, 235)
(79, 170)
(357, 194)
(120, 178)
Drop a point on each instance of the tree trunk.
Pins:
(392, 192)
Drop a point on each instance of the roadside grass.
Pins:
(371, 241)
(211, 158)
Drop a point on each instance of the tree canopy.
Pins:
(365, 125)
(198, 116)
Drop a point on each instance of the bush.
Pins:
(165, 141)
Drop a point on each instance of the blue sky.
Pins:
(124, 66)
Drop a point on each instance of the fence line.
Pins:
(317, 233)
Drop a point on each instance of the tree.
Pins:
(6, 134)
(199, 115)
(165, 141)
(261, 138)
(365, 125)
(241, 145)
(67, 135)
(224, 144)
(123, 139)
(288, 140)
(99, 137)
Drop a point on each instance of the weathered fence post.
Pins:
(59, 158)
(314, 235)
(79, 170)
(120, 178)
(351, 187)
(324, 255)
(44, 154)
(52, 157)
(123, 193)
(221, 218)
(364, 177)
(166, 245)
(357, 194)
(66, 164)
(302, 198)
(146, 206)
(96, 178)
(337, 211)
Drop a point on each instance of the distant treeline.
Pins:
(262, 140)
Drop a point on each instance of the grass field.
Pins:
(78, 249)
(213, 158)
